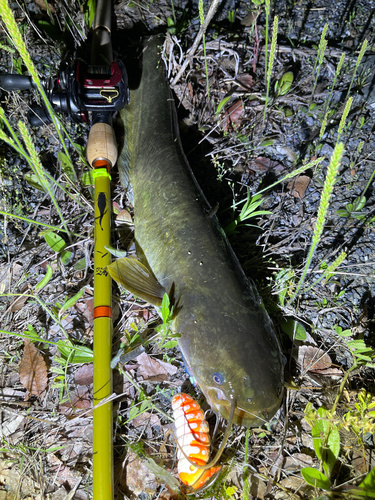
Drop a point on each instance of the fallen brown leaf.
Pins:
(62, 474)
(80, 399)
(153, 369)
(232, 116)
(147, 420)
(8, 273)
(84, 375)
(45, 6)
(18, 303)
(124, 216)
(264, 164)
(33, 371)
(138, 478)
(299, 186)
(297, 461)
(246, 80)
(315, 360)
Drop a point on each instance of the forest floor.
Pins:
(325, 323)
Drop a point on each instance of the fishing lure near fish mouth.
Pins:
(193, 441)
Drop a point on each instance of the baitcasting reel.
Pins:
(77, 90)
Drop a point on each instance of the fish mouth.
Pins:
(248, 418)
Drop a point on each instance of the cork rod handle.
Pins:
(101, 144)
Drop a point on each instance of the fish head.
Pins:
(253, 386)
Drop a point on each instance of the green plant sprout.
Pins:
(283, 85)
(248, 211)
(68, 356)
(326, 426)
(231, 16)
(326, 441)
(353, 210)
(166, 312)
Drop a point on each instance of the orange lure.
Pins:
(194, 438)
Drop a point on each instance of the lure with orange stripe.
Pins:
(193, 436)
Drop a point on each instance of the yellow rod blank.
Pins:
(103, 420)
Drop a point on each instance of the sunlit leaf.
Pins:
(315, 478)
(55, 241)
(46, 279)
(293, 329)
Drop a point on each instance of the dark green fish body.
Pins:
(227, 338)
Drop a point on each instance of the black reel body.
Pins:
(78, 90)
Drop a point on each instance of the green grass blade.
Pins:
(31, 221)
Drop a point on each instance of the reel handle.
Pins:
(16, 82)
(38, 117)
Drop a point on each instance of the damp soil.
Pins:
(234, 155)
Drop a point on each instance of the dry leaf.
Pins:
(232, 116)
(154, 370)
(61, 473)
(359, 462)
(264, 164)
(297, 461)
(33, 371)
(190, 88)
(246, 80)
(124, 216)
(18, 303)
(43, 5)
(148, 420)
(80, 399)
(315, 360)
(299, 186)
(84, 375)
(138, 478)
(9, 273)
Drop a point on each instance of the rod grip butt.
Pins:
(101, 144)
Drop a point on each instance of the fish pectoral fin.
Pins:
(136, 278)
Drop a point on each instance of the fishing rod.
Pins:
(98, 90)
(102, 156)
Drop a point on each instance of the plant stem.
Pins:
(322, 211)
(272, 57)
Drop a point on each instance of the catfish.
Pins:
(226, 336)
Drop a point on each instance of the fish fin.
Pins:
(136, 278)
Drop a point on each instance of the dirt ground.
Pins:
(326, 332)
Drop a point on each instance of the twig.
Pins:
(198, 38)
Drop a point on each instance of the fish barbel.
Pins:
(227, 339)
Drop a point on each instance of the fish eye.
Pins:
(218, 378)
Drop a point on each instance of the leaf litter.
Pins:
(33, 371)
